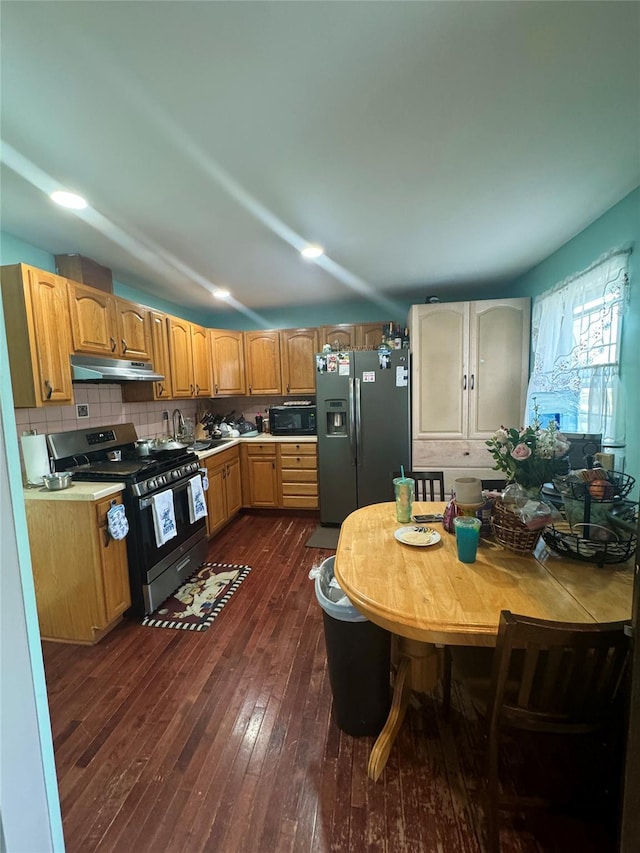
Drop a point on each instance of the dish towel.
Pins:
(164, 517)
(197, 503)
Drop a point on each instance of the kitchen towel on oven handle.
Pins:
(164, 517)
(197, 503)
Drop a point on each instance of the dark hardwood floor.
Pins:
(224, 740)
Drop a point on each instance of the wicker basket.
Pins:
(511, 532)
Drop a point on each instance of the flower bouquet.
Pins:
(531, 456)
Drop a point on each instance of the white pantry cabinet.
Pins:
(470, 367)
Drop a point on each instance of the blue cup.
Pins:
(467, 536)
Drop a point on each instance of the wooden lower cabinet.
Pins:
(298, 475)
(80, 573)
(224, 496)
(260, 475)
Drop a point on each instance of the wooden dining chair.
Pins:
(425, 484)
(543, 677)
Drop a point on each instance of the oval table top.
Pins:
(425, 593)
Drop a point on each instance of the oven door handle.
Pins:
(144, 503)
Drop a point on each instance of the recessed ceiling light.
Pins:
(222, 294)
(75, 202)
(312, 251)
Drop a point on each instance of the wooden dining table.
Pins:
(428, 599)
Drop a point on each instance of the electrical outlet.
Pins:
(82, 410)
(165, 415)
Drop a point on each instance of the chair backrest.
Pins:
(425, 484)
(494, 485)
(555, 676)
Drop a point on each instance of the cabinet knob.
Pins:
(124, 346)
(473, 381)
(49, 388)
(215, 388)
(114, 345)
(197, 389)
(464, 382)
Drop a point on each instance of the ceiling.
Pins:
(425, 145)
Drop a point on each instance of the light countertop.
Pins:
(81, 491)
(93, 491)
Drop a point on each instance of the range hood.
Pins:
(86, 368)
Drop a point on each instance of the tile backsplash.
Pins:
(105, 406)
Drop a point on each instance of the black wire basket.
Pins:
(570, 544)
(615, 487)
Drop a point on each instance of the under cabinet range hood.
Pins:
(85, 368)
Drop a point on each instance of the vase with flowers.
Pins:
(532, 455)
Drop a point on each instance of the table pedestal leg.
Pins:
(417, 670)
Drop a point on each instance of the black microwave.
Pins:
(292, 420)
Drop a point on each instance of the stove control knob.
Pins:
(151, 484)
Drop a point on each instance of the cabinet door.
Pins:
(181, 359)
(160, 351)
(369, 335)
(342, 336)
(498, 364)
(233, 486)
(51, 342)
(201, 362)
(134, 339)
(113, 566)
(93, 320)
(298, 348)
(227, 357)
(263, 480)
(439, 340)
(216, 495)
(262, 361)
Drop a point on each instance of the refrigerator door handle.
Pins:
(352, 427)
(358, 420)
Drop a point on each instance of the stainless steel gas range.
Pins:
(109, 453)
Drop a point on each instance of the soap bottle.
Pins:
(259, 420)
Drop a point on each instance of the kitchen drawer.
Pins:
(267, 448)
(300, 475)
(428, 455)
(299, 489)
(306, 449)
(298, 502)
(298, 462)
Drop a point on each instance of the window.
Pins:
(576, 335)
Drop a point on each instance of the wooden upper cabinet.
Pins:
(369, 335)
(134, 334)
(297, 351)
(135, 392)
(181, 358)
(262, 362)
(103, 324)
(38, 336)
(227, 359)
(201, 356)
(190, 359)
(93, 320)
(340, 337)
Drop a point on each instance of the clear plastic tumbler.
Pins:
(467, 536)
(404, 488)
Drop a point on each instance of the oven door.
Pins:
(159, 570)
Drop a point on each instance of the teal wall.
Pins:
(618, 228)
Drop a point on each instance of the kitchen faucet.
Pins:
(180, 422)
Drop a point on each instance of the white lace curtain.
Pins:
(576, 335)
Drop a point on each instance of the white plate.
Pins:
(417, 534)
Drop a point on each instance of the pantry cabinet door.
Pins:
(439, 341)
(499, 364)
(51, 338)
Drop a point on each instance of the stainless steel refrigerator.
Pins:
(363, 422)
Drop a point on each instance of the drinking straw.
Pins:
(402, 471)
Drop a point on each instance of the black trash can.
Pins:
(358, 660)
